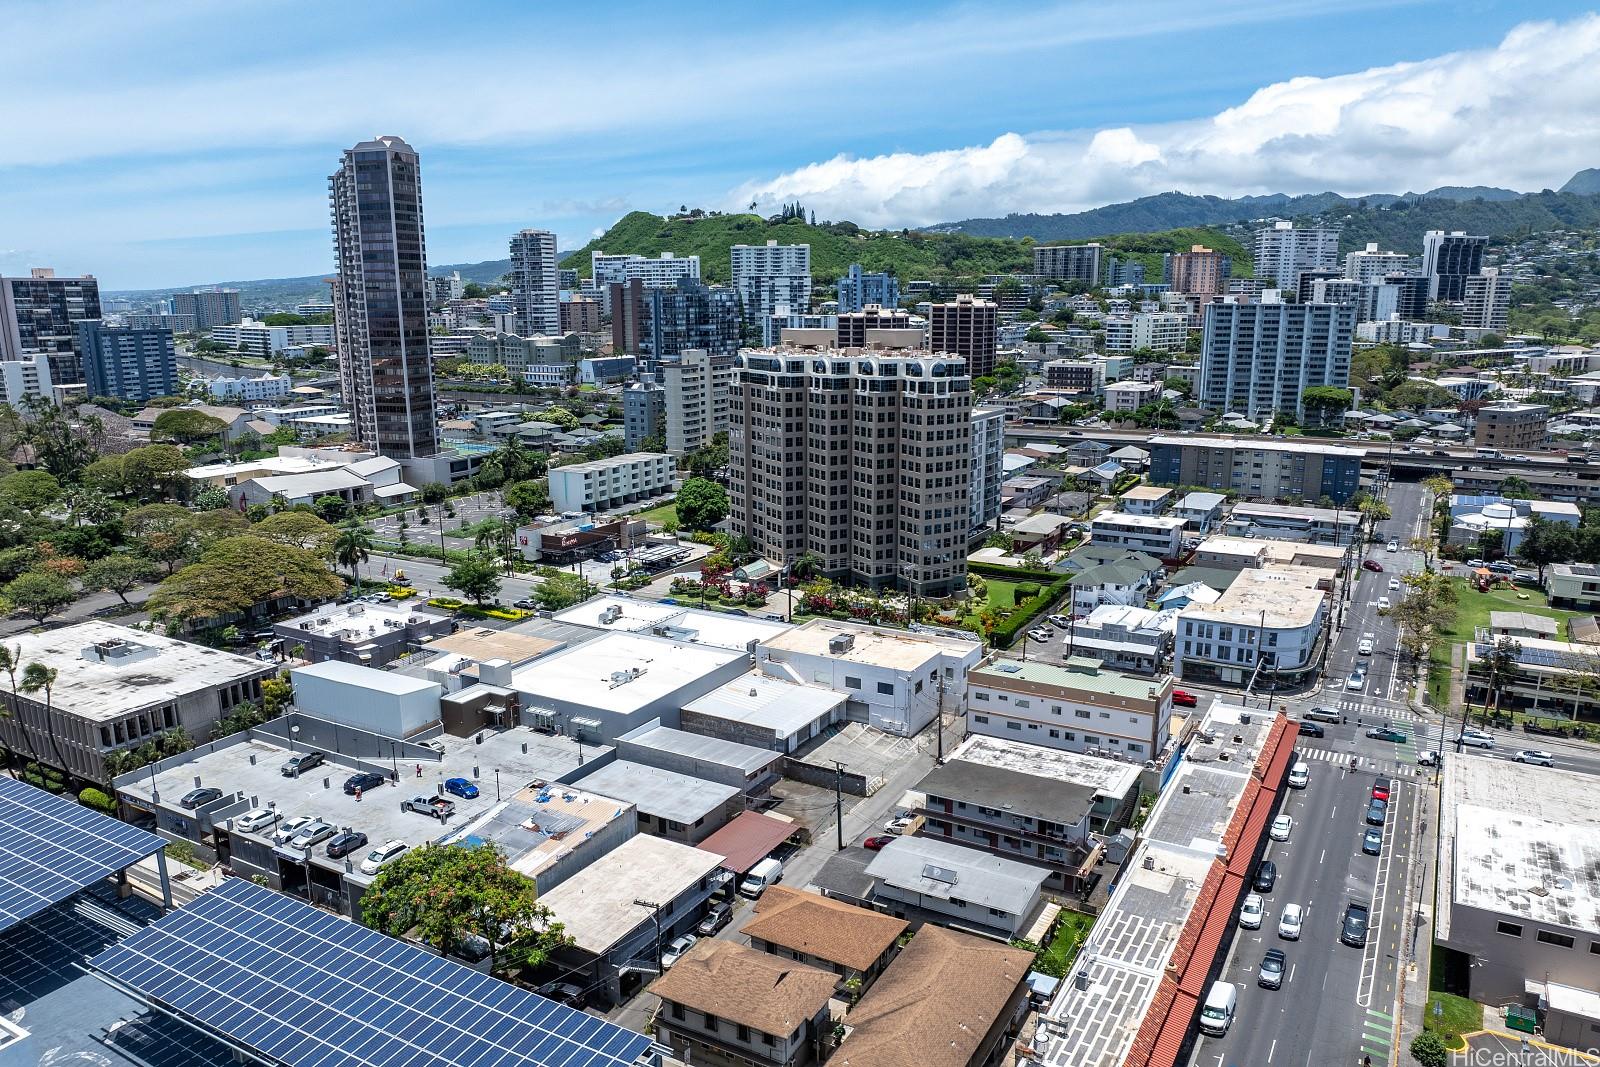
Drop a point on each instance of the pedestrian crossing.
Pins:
(1371, 713)
(1368, 764)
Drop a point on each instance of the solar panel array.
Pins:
(50, 848)
(300, 986)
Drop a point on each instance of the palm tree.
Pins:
(352, 548)
(10, 660)
(36, 676)
(488, 539)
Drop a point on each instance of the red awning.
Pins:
(747, 840)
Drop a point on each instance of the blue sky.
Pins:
(187, 142)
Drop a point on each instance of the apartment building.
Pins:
(859, 288)
(767, 275)
(1155, 535)
(1269, 619)
(1078, 707)
(1258, 467)
(1448, 259)
(662, 272)
(39, 314)
(697, 384)
(1370, 265)
(1486, 299)
(988, 468)
(1128, 397)
(1075, 375)
(657, 323)
(535, 288)
(1373, 301)
(25, 377)
(856, 328)
(1283, 251)
(967, 327)
(1291, 522)
(1513, 426)
(644, 414)
(1068, 262)
(381, 299)
(580, 314)
(208, 307)
(1259, 359)
(543, 359)
(1199, 271)
(602, 484)
(861, 457)
(442, 289)
(259, 339)
(728, 1005)
(130, 364)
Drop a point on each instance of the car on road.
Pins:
(342, 844)
(1387, 733)
(1372, 565)
(1394, 583)
(563, 993)
(1372, 841)
(1377, 812)
(1394, 546)
(1500, 566)
(313, 833)
(381, 855)
(461, 787)
(676, 950)
(1282, 827)
(526, 604)
(196, 797)
(1353, 928)
(1266, 876)
(1251, 911)
(1534, 755)
(1429, 759)
(302, 762)
(1040, 634)
(1357, 679)
(898, 825)
(1184, 699)
(1475, 563)
(720, 915)
(1328, 715)
(1381, 788)
(1271, 973)
(1311, 729)
(1061, 621)
(1383, 603)
(1476, 738)
(364, 781)
(873, 844)
(1289, 923)
(1365, 647)
(255, 820)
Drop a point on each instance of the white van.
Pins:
(1299, 775)
(767, 872)
(1216, 1014)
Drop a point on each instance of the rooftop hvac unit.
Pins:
(610, 615)
(839, 644)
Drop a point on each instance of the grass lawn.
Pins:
(999, 594)
(1057, 957)
(660, 514)
(1472, 611)
(1457, 1016)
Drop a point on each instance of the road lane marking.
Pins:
(1271, 1049)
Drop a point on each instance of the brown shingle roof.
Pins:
(935, 1003)
(827, 929)
(731, 981)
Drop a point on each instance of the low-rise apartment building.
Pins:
(1284, 522)
(1573, 585)
(930, 880)
(1522, 427)
(1128, 397)
(608, 483)
(1079, 707)
(1146, 500)
(1158, 535)
(854, 943)
(1201, 512)
(1268, 623)
(1259, 468)
(1123, 636)
(1125, 581)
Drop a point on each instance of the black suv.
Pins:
(1354, 929)
(365, 781)
(1266, 876)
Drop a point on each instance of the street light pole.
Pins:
(655, 913)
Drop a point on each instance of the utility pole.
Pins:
(838, 801)
(939, 720)
(655, 913)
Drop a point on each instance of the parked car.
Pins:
(1061, 621)
(313, 833)
(1184, 699)
(874, 843)
(676, 949)
(289, 827)
(1311, 729)
(255, 820)
(898, 825)
(1377, 813)
(1381, 788)
(1476, 563)
(1039, 633)
(1476, 738)
(1266, 876)
(342, 844)
(1289, 922)
(566, 993)
(439, 807)
(1272, 966)
(1500, 566)
(364, 781)
(1353, 929)
(196, 797)
(526, 604)
(1252, 910)
(1534, 755)
(1371, 565)
(720, 915)
(381, 855)
(1387, 733)
(1372, 841)
(461, 787)
(301, 762)
(1282, 827)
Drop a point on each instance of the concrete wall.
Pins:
(367, 707)
(1501, 961)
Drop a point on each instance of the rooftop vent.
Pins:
(839, 644)
(610, 615)
(935, 873)
(116, 650)
(624, 677)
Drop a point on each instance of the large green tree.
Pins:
(443, 894)
(236, 575)
(475, 578)
(528, 498)
(301, 529)
(36, 491)
(120, 573)
(164, 532)
(158, 472)
(1545, 542)
(701, 503)
(186, 426)
(40, 594)
(1326, 403)
(562, 590)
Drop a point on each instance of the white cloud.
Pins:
(1524, 114)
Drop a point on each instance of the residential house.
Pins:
(1110, 583)
(1201, 512)
(1079, 707)
(1147, 500)
(855, 944)
(1042, 533)
(929, 880)
(1124, 636)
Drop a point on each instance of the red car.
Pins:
(1184, 699)
(873, 844)
(1372, 565)
(1380, 789)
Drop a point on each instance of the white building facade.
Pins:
(535, 288)
(606, 483)
(768, 275)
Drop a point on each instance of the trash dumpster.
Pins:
(1523, 1019)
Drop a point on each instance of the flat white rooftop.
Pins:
(665, 794)
(771, 703)
(620, 672)
(688, 625)
(1107, 777)
(597, 905)
(1287, 594)
(354, 674)
(355, 621)
(896, 649)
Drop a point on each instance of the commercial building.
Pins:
(1486, 299)
(676, 806)
(1508, 426)
(1519, 889)
(727, 1005)
(381, 299)
(1068, 262)
(644, 414)
(126, 363)
(1259, 359)
(767, 712)
(259, 339)
(1266, 625)
(657, 323)
(208, 307)
(662, 272)
(768, 275)
(1543, 677)
(988, 456)
(861, 457)
(39, 315)
(25, 377)
(1370, 265)
(1573, 585)
(861, 328)
(1283, 251)
(1040, 806)
(895, 680)
(1125, 636)
(929, 880)
(118, 689)
(698, 385)
(749, 769)
(1286, 522)
(859, 288)
(368, 634)
(1448, 259)
(1156, 535)
(855, 944)
(967, 327)
(535, 285)
(1258, 467)
(603, 484)
(1079, 707)
(1199, 271)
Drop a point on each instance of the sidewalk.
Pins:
(1416, 971)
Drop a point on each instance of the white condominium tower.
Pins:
(771, 274)
(1282, 252)
(535, 283)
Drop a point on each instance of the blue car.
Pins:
(461, 787)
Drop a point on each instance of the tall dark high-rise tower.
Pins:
(380, 299)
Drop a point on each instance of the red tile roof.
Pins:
(747, 840)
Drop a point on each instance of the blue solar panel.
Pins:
(50, 848)
(300, 986)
